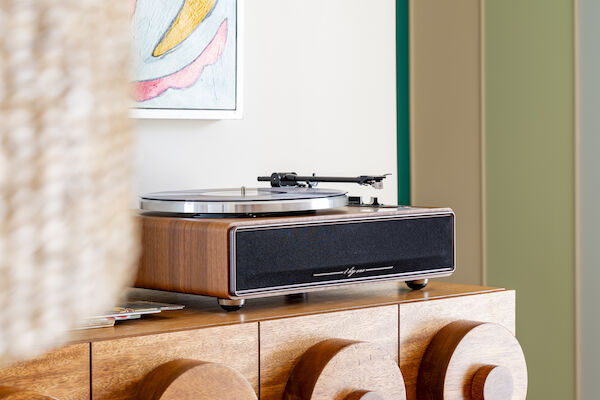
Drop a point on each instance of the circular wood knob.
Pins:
(9, 393)
(341, 369)
(483, 360)
(492, 382)
(194, 380)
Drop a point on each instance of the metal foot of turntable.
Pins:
(417, 284)
(231, 304)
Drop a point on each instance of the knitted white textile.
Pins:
(68, 242)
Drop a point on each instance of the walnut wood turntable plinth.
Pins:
(260, 345)
(251, 257)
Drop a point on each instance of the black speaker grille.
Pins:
(283, 256)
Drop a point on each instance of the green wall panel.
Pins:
(403, 100)
(529, 161)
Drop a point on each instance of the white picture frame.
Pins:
(208, 114)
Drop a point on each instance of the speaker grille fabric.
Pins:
(67, 237)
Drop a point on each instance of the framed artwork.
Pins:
(187, 59)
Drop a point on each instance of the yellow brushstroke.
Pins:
(190, 15)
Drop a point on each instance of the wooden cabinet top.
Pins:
(202, 312)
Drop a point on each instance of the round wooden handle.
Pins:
(194, 380)
(9, 393)
(341, 369)
(492, 382)
(483, 358)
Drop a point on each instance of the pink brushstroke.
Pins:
(188, 75)
(132, 6)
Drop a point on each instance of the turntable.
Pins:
(289, 238)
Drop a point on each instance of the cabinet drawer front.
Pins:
(119, 365)
(62, 373)
(283, 341)
(420, 321)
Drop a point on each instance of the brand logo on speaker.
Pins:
(351, 271)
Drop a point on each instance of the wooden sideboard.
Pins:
(264, 341)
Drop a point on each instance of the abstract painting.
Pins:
(186, 59)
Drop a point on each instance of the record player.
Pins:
(289, 238)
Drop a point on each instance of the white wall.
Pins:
(319, 93)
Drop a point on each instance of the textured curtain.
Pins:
(67, 234)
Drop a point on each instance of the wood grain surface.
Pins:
(62, 373)
(119, 365)
(364, 395)
(185, 254)
(419, 322)
(492, 382)
(202, 312)
(8, 393)
(342, 369)
(123, 355)
(186, 379)
(457, 354)
(283, 341)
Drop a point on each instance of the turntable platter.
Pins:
(243, 200)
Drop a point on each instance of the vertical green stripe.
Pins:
(589, 194)
(529, 157)
(403, 100)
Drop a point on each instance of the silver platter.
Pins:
(243, 201)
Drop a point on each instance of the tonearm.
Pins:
(286, 179)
